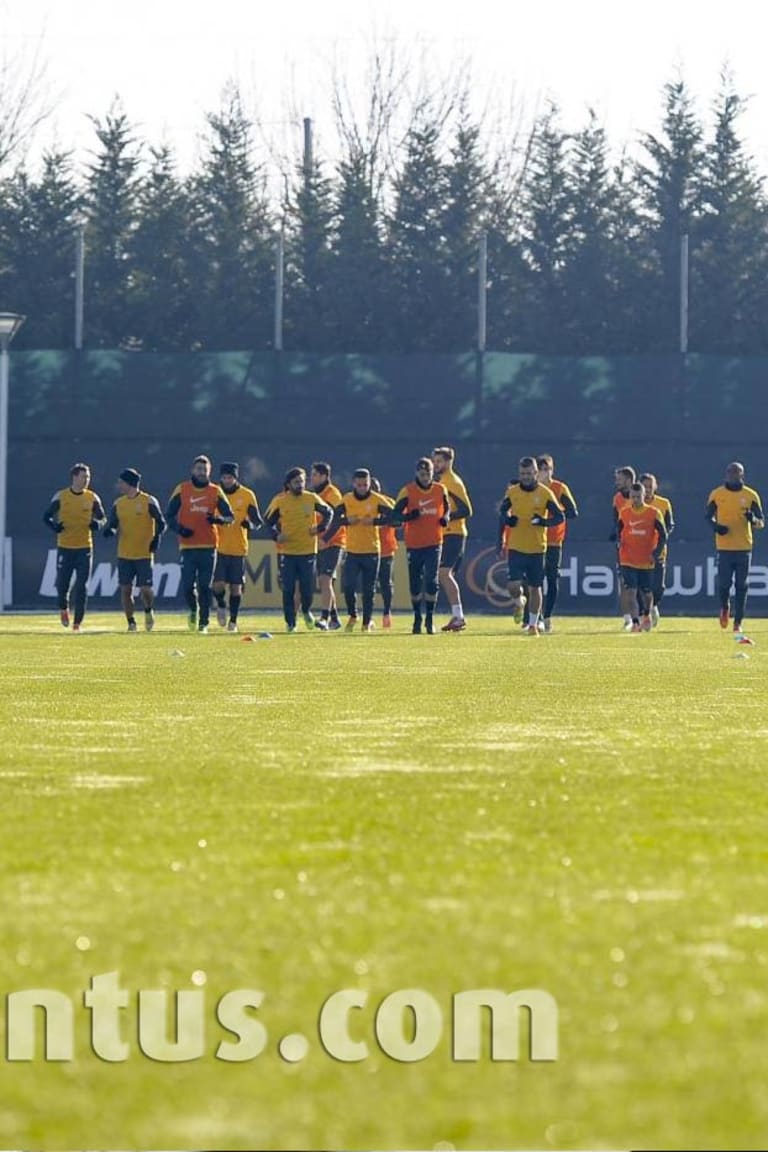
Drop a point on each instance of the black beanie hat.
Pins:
(131, 476)
(230, 468)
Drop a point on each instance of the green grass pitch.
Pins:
(582, 813)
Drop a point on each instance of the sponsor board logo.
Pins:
(486, 577)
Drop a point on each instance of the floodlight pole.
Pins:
(10, 322)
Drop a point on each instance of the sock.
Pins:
(234, 607)
(219, 599)
(456, 611)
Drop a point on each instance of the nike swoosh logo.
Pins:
(194, 501)
(424, 503)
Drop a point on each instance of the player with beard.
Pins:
(623, 479)
(455, 535)
(195, 511)
(296, 518)
(362, 511)
(233, 545)
(528, 510)
(330, 554)
(555, 539)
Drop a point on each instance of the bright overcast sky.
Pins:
(168, 60)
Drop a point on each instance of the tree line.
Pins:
(381, 245)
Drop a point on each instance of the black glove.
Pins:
(413, 514)
(109, 532)
(212, 518)
(443, 521)
(721, 529)
(537, 520)
(57, 526)
(749, 516)
(245, 524)
(510, 520)
(153, 544)
(95, 525)
(185, 532)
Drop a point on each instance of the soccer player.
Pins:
(138, 523)
(734, 510)
(361, 511)
(329, 554)
(641, 536)
(528, 510)
(74, 514)
(389, 545)
(553, 557)
(296, 518)
(195, 511)
(233, 544)
(652, 497)
(623, 479)
(423, 507)
(455, 535)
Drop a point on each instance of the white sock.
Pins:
(627, 618)
(456, 611)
